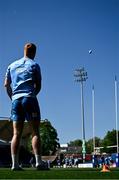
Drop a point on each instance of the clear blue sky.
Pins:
(64, 31)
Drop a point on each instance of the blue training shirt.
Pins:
(23, 74)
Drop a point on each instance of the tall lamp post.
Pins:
(116, 114)
(93, 115)
(116, 109)
(81, 76)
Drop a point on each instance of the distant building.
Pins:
(65, 148)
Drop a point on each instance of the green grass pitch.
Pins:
(59, 173)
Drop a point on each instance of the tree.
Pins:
(49, 138)
(77, 142)
(110, 140)
(89, 144)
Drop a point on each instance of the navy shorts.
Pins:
(25, 108)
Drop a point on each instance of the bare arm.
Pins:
(8, 88)
(38, 79)
(37, 87)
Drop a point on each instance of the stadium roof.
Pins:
(6, 129)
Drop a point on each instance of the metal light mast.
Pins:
(93, 116)
(81, 76)
(116, 107)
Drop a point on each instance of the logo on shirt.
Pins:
(20, 69)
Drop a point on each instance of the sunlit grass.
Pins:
(59, 173)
